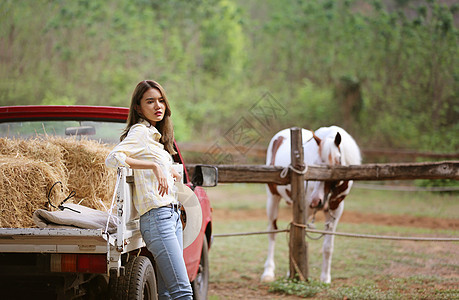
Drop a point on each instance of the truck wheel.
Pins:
(139, 281)
(200, 284)
(142, 280)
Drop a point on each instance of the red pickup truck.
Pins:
(90, 263)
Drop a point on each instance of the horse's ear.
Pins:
(316, 138)
(337, 139)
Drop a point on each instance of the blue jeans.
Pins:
(162, 232)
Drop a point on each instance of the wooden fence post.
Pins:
(298, 248)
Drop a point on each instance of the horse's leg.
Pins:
(331, 221)
(272, 210)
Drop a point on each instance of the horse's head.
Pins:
(329, 151)
(325, 194)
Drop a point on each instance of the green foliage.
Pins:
(316, 105)
(50, 99)
(437, 183)
(365, 289)
(182, 129)
(222, 39)
(216, 57)
(296, 287)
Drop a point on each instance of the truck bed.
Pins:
(79, 240)
(54, 240)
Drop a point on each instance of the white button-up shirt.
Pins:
(142, 142)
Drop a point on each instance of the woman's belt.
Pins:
(175, 207)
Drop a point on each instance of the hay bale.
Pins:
(24, 185)
(38, 149)
(30, 167)
(88, 176)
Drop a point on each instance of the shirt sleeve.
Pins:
(135, 145)
(132, 145)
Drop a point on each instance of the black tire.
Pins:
(138, 283)
(142, 282)
(200, 284)
(113, 284)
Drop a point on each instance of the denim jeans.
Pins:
(162, 232)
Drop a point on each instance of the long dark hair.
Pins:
(164, 126)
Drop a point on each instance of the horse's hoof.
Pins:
(325, 279)
(267, 278)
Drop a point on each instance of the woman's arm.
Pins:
(144, 164)
(140, 164)
(131, 146)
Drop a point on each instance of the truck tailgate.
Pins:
(53, 240)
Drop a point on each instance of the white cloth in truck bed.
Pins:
(87, 218)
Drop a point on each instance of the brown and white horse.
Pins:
(331, 146)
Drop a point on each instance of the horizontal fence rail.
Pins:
(345, 234)
(394, 171)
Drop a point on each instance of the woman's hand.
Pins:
(163, 187)
(176, 175)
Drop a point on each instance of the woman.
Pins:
(146, 146)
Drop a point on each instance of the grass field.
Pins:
(361, 268)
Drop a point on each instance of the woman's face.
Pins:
(152, 106)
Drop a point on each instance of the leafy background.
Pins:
(385, 70)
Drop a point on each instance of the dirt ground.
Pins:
(255, 290)
(250, 290)
(347, 217)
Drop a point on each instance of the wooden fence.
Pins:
(398, 171)
(272, 174)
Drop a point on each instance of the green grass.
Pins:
(361, 268)
(352, 257)
(238, 196)
(428, 204)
